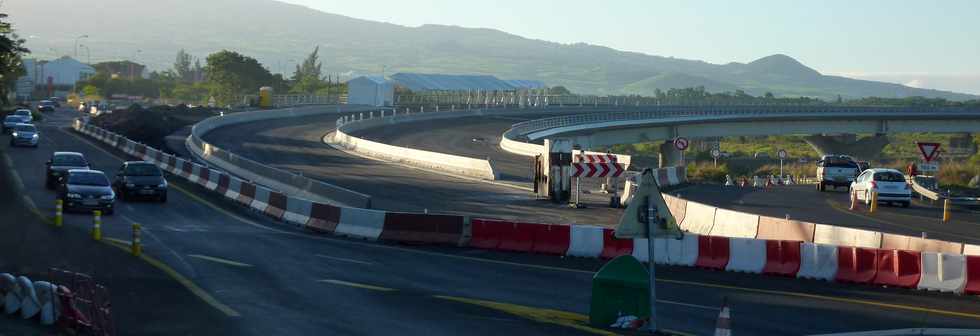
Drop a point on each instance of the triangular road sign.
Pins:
(633, 223)
(928, 150)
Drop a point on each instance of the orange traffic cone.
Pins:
(724, 325)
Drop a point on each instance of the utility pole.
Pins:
(76, 44)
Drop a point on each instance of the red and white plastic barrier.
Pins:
(585, 241)
(746, 255)
(818, 261)
(361, 223)
(943, 272)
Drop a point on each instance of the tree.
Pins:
(90, 90)
(308, 77)
(182, 66)
(559, 90)
(11, 66)
(231, 75)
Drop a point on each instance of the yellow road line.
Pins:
(187, 283)
(219, 260)
(357, 285)
(562, 318)
(842, 209)
(826, 298)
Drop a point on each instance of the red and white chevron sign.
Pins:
(596, 169)
(596, 158)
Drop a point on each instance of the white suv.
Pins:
(836, 171)
(890, 184)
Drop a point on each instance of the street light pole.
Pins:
(76, 44)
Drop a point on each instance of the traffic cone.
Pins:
(789, 180)
(728, 181)
(724, 325)
(756, 182)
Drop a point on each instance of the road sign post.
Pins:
(681, 144)
(782, 154)
(715, 153)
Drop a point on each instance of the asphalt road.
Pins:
(296, 145)
(762, 305)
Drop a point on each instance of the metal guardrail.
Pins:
(659, 112)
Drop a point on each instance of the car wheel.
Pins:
(163, 198)
(906, 204)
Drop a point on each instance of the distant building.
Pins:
(66, 71)
(371, 90)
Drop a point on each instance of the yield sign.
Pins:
(928, 150)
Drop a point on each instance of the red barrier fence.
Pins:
(486, 233)
(972, 274)
(712, 252)
(246, 194)
(422, 228)
(223, 181)
(613, 247)
(277, 205)
(782, 257)
(323, 217)
(551, 238)
(898, 268)
(187, 170)
(516, 237)
(856, 264)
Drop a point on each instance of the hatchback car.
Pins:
(12, 120)
(45, 106)
(140, 179)
(59, 165)
(24, 134)
(890, 184)
(85, 189)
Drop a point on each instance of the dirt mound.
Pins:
(152, 125)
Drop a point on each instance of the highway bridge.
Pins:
(270, 278)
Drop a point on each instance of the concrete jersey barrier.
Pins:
(453, 164)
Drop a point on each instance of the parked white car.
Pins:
(890, 184)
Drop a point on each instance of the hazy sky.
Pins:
(920, 43)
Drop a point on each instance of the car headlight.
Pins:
(162, 185)
(74, 195)
(130, 185)
(15, 134)
(34, 136)
(108, 197)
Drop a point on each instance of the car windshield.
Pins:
(92, 179)
(69, 160)
(23, 112)
(838, 162)
(47, 102)
(889, 177)
(142, 170)
(26, 128)
(13, 118)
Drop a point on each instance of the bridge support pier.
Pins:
(552, 171)
(670, 156)
(864, 149)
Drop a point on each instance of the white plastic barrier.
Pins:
(29, 306)
(11, 296)
(586, 241)
(641, 251)
(970, 249)
(842, 236)
(746, 255)
(683, 252)
(943, 272)
(818, 261)
(734, 224)
(261, 199)
(698, 218)
(297, 211)
(361, 223)
(212, 183)
(49, 303)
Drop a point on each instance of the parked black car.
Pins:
(140, 179)
(59, 165)
(85, 189)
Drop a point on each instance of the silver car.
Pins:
(26, 114)
(25, 134)
(12, 120)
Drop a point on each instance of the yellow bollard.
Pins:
(945, 210)
(874, 202)
(136, 245)
(854, 200)
(58, 207)
(97, 225)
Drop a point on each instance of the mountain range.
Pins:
(280, 35)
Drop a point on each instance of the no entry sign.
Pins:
(681, 143)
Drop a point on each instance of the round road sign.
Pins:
(715, 153)
(782, 154)
(681, 143)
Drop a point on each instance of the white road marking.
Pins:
(345, 259)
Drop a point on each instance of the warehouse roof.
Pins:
(437, 82)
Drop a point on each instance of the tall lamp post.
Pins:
(76, 43)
